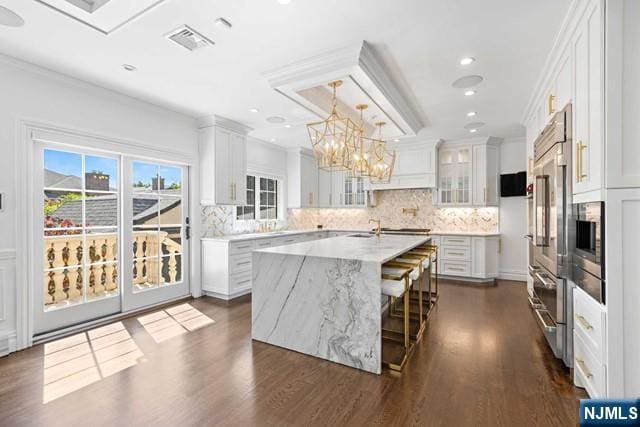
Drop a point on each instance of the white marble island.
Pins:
(322, 297)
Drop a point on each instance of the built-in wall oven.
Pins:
(588, 249)
(549, 266)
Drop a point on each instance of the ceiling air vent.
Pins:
(189, 38)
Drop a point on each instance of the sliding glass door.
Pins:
(110, 231)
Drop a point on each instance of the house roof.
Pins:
(103, 210)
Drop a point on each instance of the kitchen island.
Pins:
(323, 297)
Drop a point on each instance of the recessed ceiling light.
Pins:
(129, 67)
(275, 119)
(10, 18)
(254, 110)
(287, 126)
(396, 140)
(221, 22)
(468, 60)
(473, 130)
(284, 2)
(272, 140)
(474, 125)
(470, 93)
(471, 114)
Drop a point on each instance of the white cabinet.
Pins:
(302, 179)
(588, 141)
(486, 159)
(468, 257)
(223, 162)
(415, 166)
(325, 189)
(468, 173)
(454, 176)
(338, 190)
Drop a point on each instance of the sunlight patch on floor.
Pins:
(74, 362)
(172, 322)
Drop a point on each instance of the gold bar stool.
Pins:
(432, 252)
(395, 284)
(424, 283)
(417, 263)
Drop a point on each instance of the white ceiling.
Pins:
(421, 42)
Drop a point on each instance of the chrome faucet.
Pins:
(377, 229)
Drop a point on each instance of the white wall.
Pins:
(31, 93)
(513, 214)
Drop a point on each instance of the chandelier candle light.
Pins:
(364, 149)
(332, 139)
(385, 160)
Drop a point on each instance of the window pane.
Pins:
(62, 288)
(63, 251)
(101, 247)
(145, 210)
(271, 186)
(145, 243)
(170, 210)
(263, 198)
(62, 170)
(145, 176)
(170, 240)
(263, 183)
(62, 209)
(100, 173)
(170, 180)
(101, 210)
(171, 269)
(247, 212)
(251, 182)
(102, 280)
(251, 198)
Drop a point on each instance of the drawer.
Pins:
(263, 243)
(239, 282)
(589, 370)
(241, 247)
(456, 241)
(589, 317)
(240, 263)
(457, 253)
(455, 268)
(280, 241)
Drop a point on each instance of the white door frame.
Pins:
(26, 129)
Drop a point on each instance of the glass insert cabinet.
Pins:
(454, 176)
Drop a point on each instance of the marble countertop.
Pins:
(271, 234)
(372, 248)
(465, 233)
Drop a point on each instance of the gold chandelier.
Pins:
(360, 164)
(332, 140)
(384, 160)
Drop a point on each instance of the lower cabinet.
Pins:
(468, 257)
(589, 355)
(226, 264)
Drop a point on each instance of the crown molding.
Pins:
(219, 121)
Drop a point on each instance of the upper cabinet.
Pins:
(588, 141)
(576, 75)
(415, 167)
(223, 161)
(468, 173)
(302, 179)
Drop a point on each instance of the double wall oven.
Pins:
(552, 235)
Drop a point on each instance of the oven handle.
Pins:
(546, 326)
(543, 278)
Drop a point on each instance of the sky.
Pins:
(71, 164)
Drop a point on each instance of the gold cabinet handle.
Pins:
(550, 104)
(580, 175)
(584, 368)
(584, 322)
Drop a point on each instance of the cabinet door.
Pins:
(239, 169)
(478, 257)
(588, 140)
(309, 184)
(325, 188)
(562, 92)
(480, 175)
(492, 173)
(462, 181)
(446, 175)
(337, 192)
(223, 168)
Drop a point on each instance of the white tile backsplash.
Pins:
(220, 220)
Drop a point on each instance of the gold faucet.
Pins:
(377, 230)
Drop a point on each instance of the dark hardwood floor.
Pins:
(483, 361)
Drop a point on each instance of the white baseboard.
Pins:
(227, 297)
(8, 342)
(520, 276)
